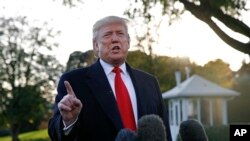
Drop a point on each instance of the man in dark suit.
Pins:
(86, 107)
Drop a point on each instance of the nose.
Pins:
(114, 38)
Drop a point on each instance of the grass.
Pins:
(40, 135)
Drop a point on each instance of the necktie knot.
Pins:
(116, 70)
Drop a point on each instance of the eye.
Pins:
(106, 35)
(121, 33)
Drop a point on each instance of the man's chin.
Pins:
(117, 61)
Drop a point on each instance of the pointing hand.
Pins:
(70, 106)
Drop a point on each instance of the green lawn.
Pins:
(40, 135)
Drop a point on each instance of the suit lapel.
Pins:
(138, 90)
(101, 88)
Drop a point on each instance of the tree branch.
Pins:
(234, 24)
(204, 14)
(243, 47)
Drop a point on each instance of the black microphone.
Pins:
(151, 128)
(126, 135)
(192, 130)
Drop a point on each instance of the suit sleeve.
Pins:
(55, 125)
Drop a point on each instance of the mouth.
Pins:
(115, 48)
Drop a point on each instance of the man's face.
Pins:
(112, 43)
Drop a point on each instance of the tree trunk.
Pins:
(15, 132)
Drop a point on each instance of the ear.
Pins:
(95, 48)
(128, 41)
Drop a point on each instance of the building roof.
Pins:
(197, 86)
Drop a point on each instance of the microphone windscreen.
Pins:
(192, 130)
(151, 128)
(126, 135)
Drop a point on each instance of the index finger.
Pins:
(69, 88)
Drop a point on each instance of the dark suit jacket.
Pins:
(99, 119)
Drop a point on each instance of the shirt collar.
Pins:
(108, 68)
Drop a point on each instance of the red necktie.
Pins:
(123, 101)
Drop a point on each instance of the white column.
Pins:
(179, 111)
(171, 112)
(224, 112)
(184, 109)
(211, 111)
(198, 109)
(174, 113)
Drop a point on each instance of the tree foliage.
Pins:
(71, 3)
(27, 72)
(80, 59)
(218, 72)
(164, 68)
(239, 105)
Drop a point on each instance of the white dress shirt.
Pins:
(126, 79)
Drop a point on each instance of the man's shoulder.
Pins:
(76, 72)
(141, 73)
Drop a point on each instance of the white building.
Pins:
(197, 98)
